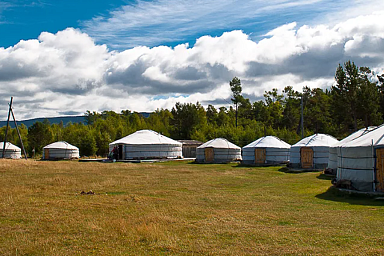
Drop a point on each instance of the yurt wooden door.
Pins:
(306, 155)
(46, 153)
(209, 155)
(260, 155)
(380, 169)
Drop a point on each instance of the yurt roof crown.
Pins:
(60, 145)
(219, 143)
(146, 137)
(268, 142)
(317, 139)
(9, 146)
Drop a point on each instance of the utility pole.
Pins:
(302, 115)
(18, 133)
(6, 130)
(17, 129)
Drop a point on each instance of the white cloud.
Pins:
(68, 71)
(152, 23)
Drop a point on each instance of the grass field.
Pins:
(179, 208)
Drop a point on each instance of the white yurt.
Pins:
(312, 152)
(60, 150)
(11, 151)
(266, 150)
(332, 161)
(146, 144)
(218, 150)
(361, 161)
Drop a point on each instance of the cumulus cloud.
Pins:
(152, 23)
(68, 72)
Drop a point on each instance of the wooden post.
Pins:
(18, 133)
(6, 131)
(302, 116)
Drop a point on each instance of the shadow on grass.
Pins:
(323, 176)
(296, 171)
(242, 165)
(233, 164)
(333, 194)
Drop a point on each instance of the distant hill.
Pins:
(54, 120)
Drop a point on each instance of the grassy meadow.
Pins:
(180, 208)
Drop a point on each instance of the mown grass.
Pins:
(179, 208)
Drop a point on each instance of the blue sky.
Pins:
(66, 57)
(124, 24)
(22, 19)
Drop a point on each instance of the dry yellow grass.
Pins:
(179, 209)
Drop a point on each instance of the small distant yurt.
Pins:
(312, 152)
(361, 161)
(11, 151)
(60, 150)
(146, 144)
(332, 161)
(218, 151)
(266, 150)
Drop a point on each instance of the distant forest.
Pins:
(355, 101)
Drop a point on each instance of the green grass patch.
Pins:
(180, 208)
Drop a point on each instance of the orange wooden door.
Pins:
(380, 169)
(209, 155)
(46, 153)
(260, 156)
(306, 155)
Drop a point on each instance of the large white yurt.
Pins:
(266, 150)
(11, 151)
(332, 160)
(146, 144)
(312, 152)
(60, 150)
(361, 161)
(218, 150)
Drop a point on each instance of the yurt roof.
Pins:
(61, 145)
(373, 138)
(268, 142)
(9, 146)
(316, 140)
(219, 143)
(146, 137)
(354, 136)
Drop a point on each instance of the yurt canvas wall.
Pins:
(266, 150)
(11, 151)
(361, 161)
(311, 152)
(60, 150)
(218, 151)
(146, 144)
(332, 161)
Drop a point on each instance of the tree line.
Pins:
(355, 101)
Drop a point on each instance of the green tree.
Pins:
(236, 89)
(39, 135)
(345, 92)
(88, 145)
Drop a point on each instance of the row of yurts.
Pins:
(358, 158)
